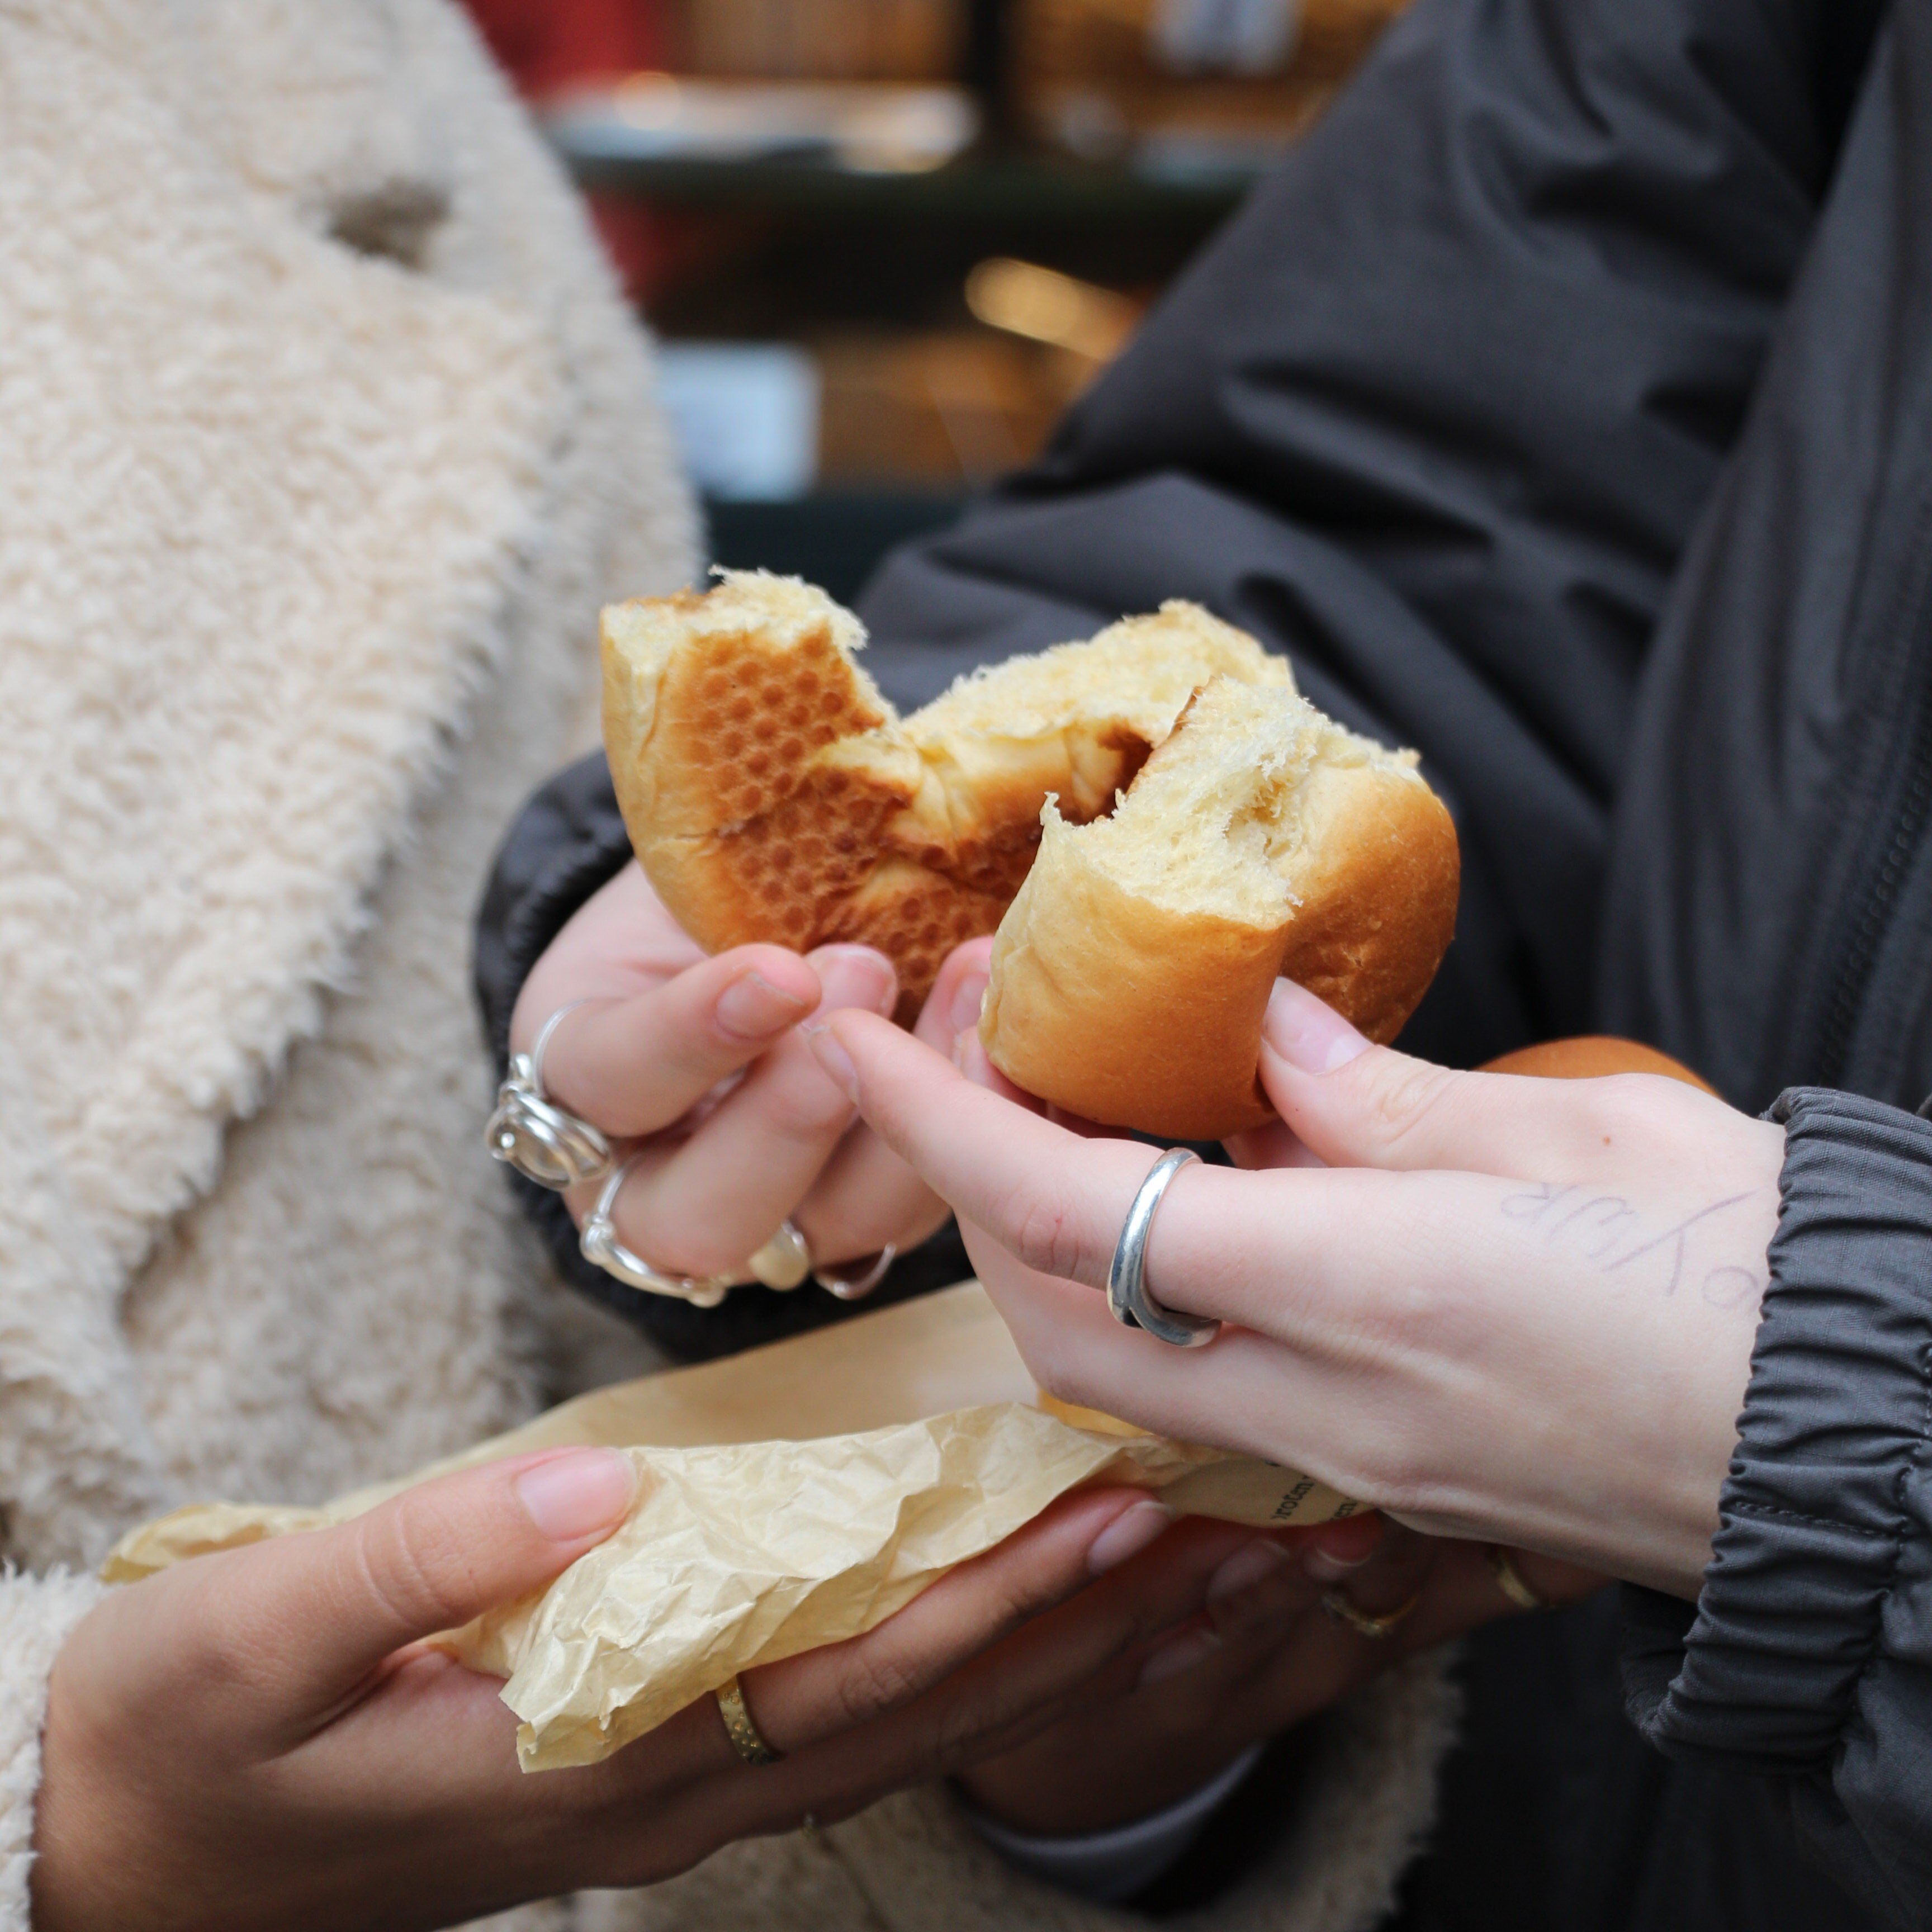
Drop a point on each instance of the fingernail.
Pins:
(855, 975)
(1127, 1535)
(1306, 1033)
(752, 1008)
(574, 1496)
(833, 1058)
(967, 997)
(1326, 1569)
(1243, 1570)
(1342, 1546)
(1184, 1653)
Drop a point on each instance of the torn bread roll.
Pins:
(771, 793)
(1130, 975)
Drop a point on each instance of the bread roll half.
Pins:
(771, 794)
(1130, 976)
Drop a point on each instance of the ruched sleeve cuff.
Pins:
(1816, 1511)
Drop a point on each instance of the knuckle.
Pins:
(808, 1109)
(1407, 1097)
(1630, 1109)
(876, 1679)
(1046, 1236)
(1390, 1469)
(415, 1565)
(959, 1727)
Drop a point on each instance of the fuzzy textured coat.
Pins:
(322, 435)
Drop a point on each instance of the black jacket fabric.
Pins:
(1563, 407)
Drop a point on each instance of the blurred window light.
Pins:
(867, 126)
(1253, 37)
(745, 415)
(1042, 304)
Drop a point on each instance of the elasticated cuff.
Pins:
(1812, 1513)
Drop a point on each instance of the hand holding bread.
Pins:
(1510, 1310)
(1155, 822)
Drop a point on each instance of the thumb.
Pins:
(331, 1604)
(1354, 1104)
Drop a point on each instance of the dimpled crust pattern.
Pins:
(772, 794)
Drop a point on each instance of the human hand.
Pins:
(700, 1059)
(261, 1737)
(1515, 1310)
(1262, 1656)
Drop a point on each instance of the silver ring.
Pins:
(857, 1287)
(543, 1141)
(1127, 1297)
(784, 1261)
(600, 1246)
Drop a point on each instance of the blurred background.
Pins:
(886, 242)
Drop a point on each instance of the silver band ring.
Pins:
(528, 1131)
(1127, 1298)
(601, 1247)
(541, 1045)
(857, 1287)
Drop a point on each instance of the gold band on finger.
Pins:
(747, 1740)
(1509, 1580)
(1337, 1604)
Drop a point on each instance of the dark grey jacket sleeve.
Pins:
(1809, 1653)
(1436, 414)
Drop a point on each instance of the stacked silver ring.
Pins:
(529, 1131)
(600, 1246)
(558, 1150)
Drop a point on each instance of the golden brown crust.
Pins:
(770, 793)
(1117, 1008)
(1378, 893)
(1123, 1012)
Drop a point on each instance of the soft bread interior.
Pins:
(772, 793)
(1131, 973)
(1139, 673)
(1220, 819)
(1076, 721)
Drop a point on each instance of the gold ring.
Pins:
(1337, 1604)
(746, 1739)
(1509, 1580)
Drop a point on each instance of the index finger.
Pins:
(1052, 1199)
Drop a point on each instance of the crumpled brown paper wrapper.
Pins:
(791, 1497)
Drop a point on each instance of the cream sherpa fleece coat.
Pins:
(322, 435)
